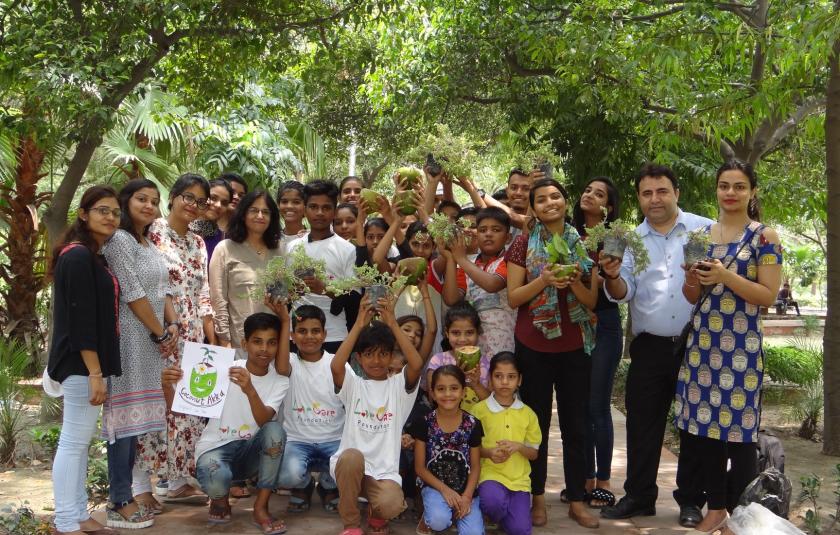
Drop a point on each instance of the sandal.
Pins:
(329, 499)
(606, 497)
(221, 512)
(154, 506)
(376, 526)
(139, 519)
(300, 500)
(422, 528)
(185, 494)
(270, 526)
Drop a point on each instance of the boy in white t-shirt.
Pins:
(245, 442)
(368, 458)
(313, 416)
(339, 255)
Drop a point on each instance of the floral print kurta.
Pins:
(186, 258)
(719, 385)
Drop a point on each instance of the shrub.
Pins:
(808, 409)
(14, 359)
(799, 364)
(47, 438)
(22, 521)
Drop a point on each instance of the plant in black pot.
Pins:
(441, 228)
(445, 152)
(696, 247)
(368, 278)
(617, 237)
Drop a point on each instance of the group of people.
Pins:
(370, 394)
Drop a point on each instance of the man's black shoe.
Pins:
(628, 507)
(690, 516)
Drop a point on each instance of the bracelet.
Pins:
(162, 338)
(610, 278)
(95, 374)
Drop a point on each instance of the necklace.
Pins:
(259, 250)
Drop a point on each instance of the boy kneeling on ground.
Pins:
(245, 442)
(368, 457)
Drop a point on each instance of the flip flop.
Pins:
(270, 526)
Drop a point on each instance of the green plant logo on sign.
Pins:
(203, 376)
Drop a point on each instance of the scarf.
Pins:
(544, 308)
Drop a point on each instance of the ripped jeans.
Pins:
(259, 456)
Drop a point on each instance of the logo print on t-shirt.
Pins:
(314, 414)
(372, 419)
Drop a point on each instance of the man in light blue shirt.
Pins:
(659, 312)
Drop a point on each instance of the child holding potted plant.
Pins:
(338, 255)
(484, 278)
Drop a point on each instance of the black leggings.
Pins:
(566, 375)
(710, 456)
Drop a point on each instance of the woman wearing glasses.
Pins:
(85, 348)
(253, 239)
(186, 260)
(213, 224)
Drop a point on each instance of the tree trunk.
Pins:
(831, 336)
(22, 275)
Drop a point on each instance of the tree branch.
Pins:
(519, 69)
(480, 100)
(652, 16)
(779, 131)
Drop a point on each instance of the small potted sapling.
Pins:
(442, 228)
(696, 248)
(445, 152)
(619, 236)
(558, 256)
(542, 157)
(282, 278)
(375, 283)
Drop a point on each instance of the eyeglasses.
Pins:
(192, 200)
(265, 212)
(221, 202)
(104, 211)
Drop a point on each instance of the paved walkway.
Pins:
(192, 520)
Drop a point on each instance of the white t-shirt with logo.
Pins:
(237, 421)
(312, 412)
(339, 255)
(376, 413)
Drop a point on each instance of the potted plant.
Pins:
(541, 157)
(442, 228)
(453, 155)
(375, 283)
(616, 238)
(283, 277)
(696, 247)
(558, 255)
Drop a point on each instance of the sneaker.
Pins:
(138, 520)
(161, 487)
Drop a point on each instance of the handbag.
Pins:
(681, 342)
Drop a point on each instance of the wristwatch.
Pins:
(481, 193)
(162, 338)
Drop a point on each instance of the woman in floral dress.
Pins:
(719, 387)
(187, 260)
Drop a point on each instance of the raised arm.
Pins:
(346, 349)
(430, 329)
(516, 219)
(414, 364)
(281, 361)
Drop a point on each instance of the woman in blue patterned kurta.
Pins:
(718, 390)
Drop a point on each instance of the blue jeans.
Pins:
(71, 457)
(120, 466)
(438, 515)
(301, 458)
(605, 357)
(259, 456)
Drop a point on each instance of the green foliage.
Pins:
(21, 520)
(808, 409)
(279, 275)
(366, 276)
(624, 231)
(800, 364)
(299, 262)
(810, 493)
(47, 438)
(442, 229)
(14, 358)
(96, 480)
(455, 154)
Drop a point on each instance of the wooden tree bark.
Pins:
(23, 277)
(831, 340)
